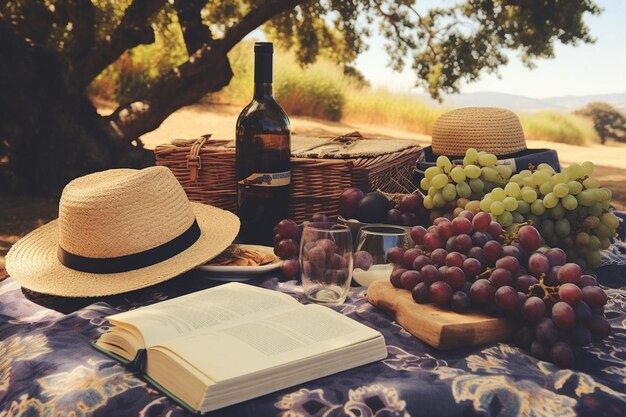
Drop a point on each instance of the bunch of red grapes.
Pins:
(375, 207)
(287, 243)
(468, 262)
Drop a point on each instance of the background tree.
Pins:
(607, 120)
(51, 50)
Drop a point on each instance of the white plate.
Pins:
(240, 273)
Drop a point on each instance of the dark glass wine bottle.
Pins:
(263, 156)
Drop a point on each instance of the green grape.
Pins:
(463, 190)
(498, 194)
(550, 200)
(425, 183)
(487, 159)
(574, 171)
(582, 239)
(432, 191)
(444, 163)
(569, 202)
(485, 203)
(431, 172)
(472, 171)
(591, 183)
(505, 219)
(546, 188)
(457, 174)
(575, 187)
(546, 167)
(529, 194)
(560, 190)
(496, 208)
(562, 228)
(537, 207)
(609, 193)
(473, 206)
(606, 205)
(587, 167)
(539, 177)
(534, 220)
(559, 178)
(476, 185)
(490, 174)
(438, 200)
(489, 186)
(594, 259)
(428, 202)
(585, 198)
(472, 155)
(512, 189)
(557, 211)
(523, 207)
(590, 222)
(439, 181)
(449, 192)
(603, 230)
(515, 178)
(598, 194)
(547, 229)
(510, 203)
(604, 243)
(594, 242)
(595, 209)
(528, 182)
(504, 171)
(525, 173)
(610, 220)
(517, 217)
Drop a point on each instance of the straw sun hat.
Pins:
(120, 230)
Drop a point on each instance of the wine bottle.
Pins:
(263, 156)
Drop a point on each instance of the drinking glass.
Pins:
(373, 242)
(326, 262)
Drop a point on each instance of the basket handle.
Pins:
(194, 162)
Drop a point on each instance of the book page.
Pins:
(232, 351)
(196, 312)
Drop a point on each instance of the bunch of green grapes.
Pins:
(479, 174)
(569, 209)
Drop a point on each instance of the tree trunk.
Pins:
(50, 135)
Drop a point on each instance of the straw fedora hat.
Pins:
(120, 230)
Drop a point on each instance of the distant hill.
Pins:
(527, 104)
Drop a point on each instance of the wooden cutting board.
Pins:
(441, 329)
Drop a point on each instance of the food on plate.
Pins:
(236, 255)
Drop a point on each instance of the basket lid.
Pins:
(352, 145)
(490, 129)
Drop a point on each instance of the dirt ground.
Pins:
(20, 215)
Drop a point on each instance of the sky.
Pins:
(585, 69)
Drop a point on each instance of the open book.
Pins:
(234, 342)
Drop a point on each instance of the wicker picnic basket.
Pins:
(322, 169)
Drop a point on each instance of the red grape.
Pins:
(286, 248)
(570, 293)
(445, 231)
(494, 229)
(420, 293)
(506, 298)
(438, 256)
(362, 260)
(510, 250)
(587, 280)
(481, 221)
(394, 216)
(562, 355)
(450, 245)
(317, 256)
(420, 261)
(454, 276)
(408, 219)
(533, 309)
(479, 239)
(529, 238)
(546, 331)
(417, 234)
(411, 202)
(472, 267)
(599, 326)
(460, 302)
(396, 274)
(501, 277)
(482, 291)
(288, 229)
(333, 261)
(467, 214)
(523, 283)
(461, 225)
(463, 243)
(319, 218)
(583, 312)
(290, 267)
(538, 264)
(595, 297)
(349, 201)
(429, 274)
(440, 293)
(569, 272)
(454, 259)
(552, 277)
(478, 254)
(396, 255)
(539, 351)
(409, 279)
(409, 256)
(556, 256)
(440, 220)
(563, 316)
(509, 263)
(492, 251)
(432, 241)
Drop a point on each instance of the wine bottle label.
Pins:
(270, 179)
(510, 162)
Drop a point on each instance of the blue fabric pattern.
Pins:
(48, 368)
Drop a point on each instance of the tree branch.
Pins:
(195, 33)
(82, 15)
(207, 70)
(133, 30)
